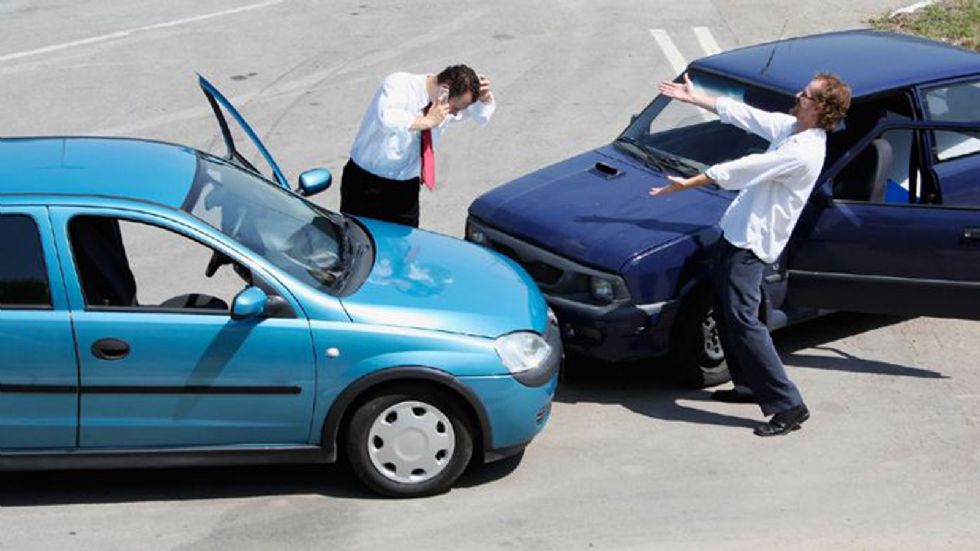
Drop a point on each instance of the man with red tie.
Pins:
(394, 150)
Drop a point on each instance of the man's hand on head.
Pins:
(486, 96)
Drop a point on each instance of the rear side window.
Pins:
(23, 276)
(956, 103)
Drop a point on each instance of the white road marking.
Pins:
(669, 49)
(677, 60)
(913, 8)
(707, 40)
(123, 34)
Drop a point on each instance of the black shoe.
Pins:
(733, 396)
(784, 422)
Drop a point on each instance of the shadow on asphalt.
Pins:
(643, 386)
(640, 386)
(29, 489)
(124, 486)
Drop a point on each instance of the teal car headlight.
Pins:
(522, 351)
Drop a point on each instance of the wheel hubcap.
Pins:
(711, 339)
(411, 442)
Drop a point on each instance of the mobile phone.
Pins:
(443, 93)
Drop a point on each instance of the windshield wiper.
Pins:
(678, 164)
(634, 147)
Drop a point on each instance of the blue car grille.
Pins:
(543, 273)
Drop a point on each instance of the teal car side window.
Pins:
(23, 275)
(135, 265)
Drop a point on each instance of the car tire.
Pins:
(696, 359)
(410, 441)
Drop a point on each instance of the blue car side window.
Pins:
(955, 103)
(23, 274)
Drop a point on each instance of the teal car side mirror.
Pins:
(249, 303)
(314, 181)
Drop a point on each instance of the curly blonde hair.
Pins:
(834, 98)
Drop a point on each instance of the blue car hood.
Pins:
(429, 281)
(578, 211)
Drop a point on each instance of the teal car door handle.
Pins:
(110, 349)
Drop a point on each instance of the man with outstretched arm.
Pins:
(773, 188)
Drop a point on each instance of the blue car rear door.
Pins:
(906, 239)
(38, 367)
(162, 362)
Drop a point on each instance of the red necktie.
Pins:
(428, 157)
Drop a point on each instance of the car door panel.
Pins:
(892, 258)
(190, 378)
(38, 367)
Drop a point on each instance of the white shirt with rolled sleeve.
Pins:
(384, 145)
(775, 185)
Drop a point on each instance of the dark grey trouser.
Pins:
(752, 359)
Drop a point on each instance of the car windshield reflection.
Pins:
(688, 139)
(294, 235)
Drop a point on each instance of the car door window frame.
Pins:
(929, 138)
(270, 284)
(920, 130)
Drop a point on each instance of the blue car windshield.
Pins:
(294, 235)
(690, 139)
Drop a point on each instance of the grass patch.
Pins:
(952, 21)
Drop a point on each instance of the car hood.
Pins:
(429, 281)
(578, 210)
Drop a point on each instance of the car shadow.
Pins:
(32, 489)
(644, 387)
(26, 489)
(816, 333)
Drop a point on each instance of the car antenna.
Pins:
(765, 70)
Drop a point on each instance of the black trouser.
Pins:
(751, 356)
(364, 194)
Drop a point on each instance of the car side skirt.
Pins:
(159, 458)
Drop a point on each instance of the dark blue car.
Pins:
(892, 226)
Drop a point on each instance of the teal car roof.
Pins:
(116, 167)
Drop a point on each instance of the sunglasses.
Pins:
(807, 95)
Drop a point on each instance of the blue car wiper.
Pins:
(635, 148)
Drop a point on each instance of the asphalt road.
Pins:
(890, 458)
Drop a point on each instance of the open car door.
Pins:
(221, 105)
(863, 248)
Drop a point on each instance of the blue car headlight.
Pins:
(522, 351)
(476, 235)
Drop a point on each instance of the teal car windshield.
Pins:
(689, 139)
(294, 235)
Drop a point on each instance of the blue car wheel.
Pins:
(409, 442)
(696, 358)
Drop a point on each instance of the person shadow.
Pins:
(645, 388)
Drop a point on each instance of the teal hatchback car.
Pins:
(160, 306)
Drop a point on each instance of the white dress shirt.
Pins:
(775, 185)
(384, 145)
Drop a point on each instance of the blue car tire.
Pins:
(409, 441)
